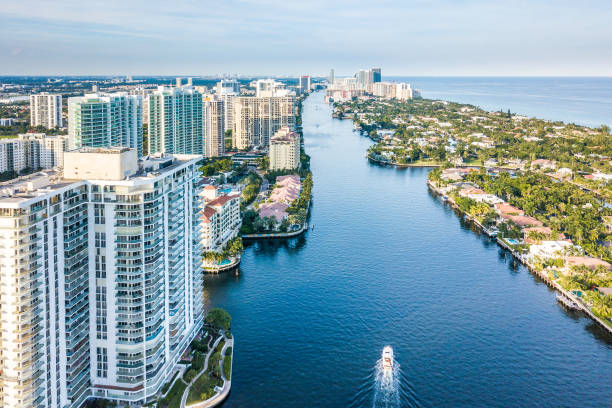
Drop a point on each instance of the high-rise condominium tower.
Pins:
(284, 150)
(256, 119)
(101, 280)
(214, 118)
(376, 75)
(46, 110)
(176, 121)
(304, 85)
(105, 120)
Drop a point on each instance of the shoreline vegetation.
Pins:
(205, 378)
(255, 226)
(538, 187)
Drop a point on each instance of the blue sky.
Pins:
(277, 37)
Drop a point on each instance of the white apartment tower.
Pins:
(176, 123)
(255, 120)
(285, 150)
(105, 120)
(101, 278)
(46, 110)
(32, 151)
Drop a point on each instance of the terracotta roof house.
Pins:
(276, 210)
(507, 209)
(523, 220)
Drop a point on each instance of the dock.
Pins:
(568, 297)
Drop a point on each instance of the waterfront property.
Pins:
(549, 253)
(284, 150)
(221, 219)
(287, 189)
(101, 276)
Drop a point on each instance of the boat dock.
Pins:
(569, 299)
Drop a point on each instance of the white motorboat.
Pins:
(387, 358)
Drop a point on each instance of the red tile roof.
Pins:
(221, 200)
(508, 209)
(207, 214)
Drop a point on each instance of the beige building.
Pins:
(221, 219)
(284, 150)
(214, 123)
(255, 119)
(100, 163)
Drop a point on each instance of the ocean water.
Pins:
(585, 101)
(388, 263)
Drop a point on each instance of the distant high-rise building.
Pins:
(175, 121)
(105, 120)
(214, 118)
(377, 76)
(46, 110)
(331, 77)
(179, 82)
(42, 151)
(304, 85)
(189, 81)
(255, 120)
(365, 77)
(270, 87)
(228, 87)
(106, 293)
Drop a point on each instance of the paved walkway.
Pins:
(210, 351)
(222, 392)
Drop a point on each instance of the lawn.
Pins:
(173, 399)
(203, 388)
(227, 364)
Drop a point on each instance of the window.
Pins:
(101, 325)
(100, 265)
(102, 362)
(100, 240)
(99, 213)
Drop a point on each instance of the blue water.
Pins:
(586, 101)
(389, 263)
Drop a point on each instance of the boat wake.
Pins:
(386, 385)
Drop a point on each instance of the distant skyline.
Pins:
(274, 37)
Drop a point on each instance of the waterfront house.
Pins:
(548, 249)
(507, 209)
(276, 210)
(523, 220)
(587, 261)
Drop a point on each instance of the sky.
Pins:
(287, 37)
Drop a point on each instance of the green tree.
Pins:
(218, 318)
